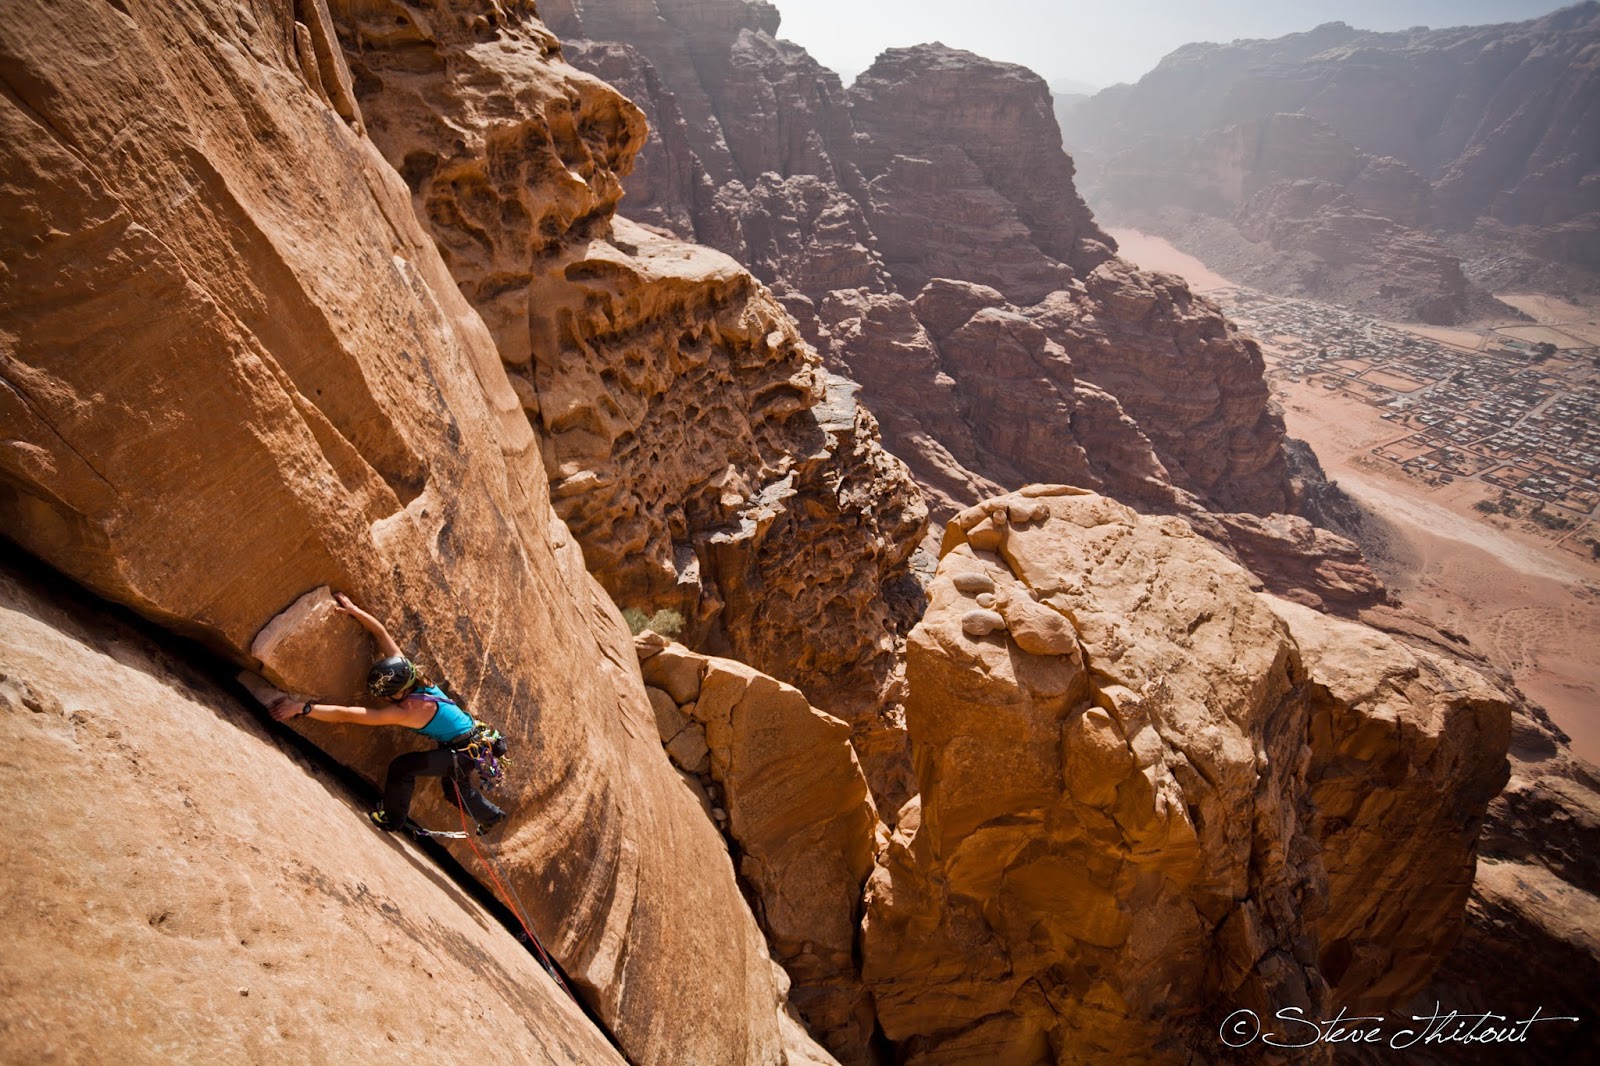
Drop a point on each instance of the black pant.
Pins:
(442, 763)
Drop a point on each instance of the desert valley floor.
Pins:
(1525, 587)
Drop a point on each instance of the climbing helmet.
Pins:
(392, 676)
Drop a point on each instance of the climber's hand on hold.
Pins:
(285, 709)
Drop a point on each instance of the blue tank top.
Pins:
(449, 722)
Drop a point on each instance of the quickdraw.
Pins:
(485, 752)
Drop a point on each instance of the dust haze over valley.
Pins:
(945, 597)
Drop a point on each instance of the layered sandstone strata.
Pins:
(886, 217)
(238, 370)
(695, 447)
(1145, 799)
(940, 128)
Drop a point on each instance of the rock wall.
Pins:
(1394, 729)
(1145, 798)
(237, 369)
(242, 369)
(887, 216)
(1487, 129)
(1310, 214)
(940, 130)
(694, 446)
(212, 898)
(782, 780)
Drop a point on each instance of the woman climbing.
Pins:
(465, 746)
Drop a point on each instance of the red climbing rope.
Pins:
(511, 898)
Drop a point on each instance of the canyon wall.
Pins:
(238, 369)
(924, 229)
(213, 897)
(1433, 150)
(1150, 795)
(705, 461)
(335, 295)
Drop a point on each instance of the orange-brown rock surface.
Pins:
(696, 449)
(179, 886)
(887, 216)
(237, 369)
(252, 355)
(1136, 782)
(781, 779)
(1394, 730)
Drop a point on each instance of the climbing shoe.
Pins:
(383, 822)
(493, 820)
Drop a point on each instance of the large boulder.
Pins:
(1152, 795)
(1109, 846)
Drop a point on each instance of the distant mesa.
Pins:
(1405, 174)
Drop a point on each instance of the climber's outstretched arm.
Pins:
(386, 644)
(287, 708)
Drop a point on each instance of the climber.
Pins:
(464, 747)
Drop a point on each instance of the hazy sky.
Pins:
(1100, 41)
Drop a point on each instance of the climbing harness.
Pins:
(511, 900)
(485, 751)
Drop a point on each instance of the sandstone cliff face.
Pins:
(694, 445)
(887, 217)
(232, 341)
(940, 128)
(1498, 120)
(1393, 730)
(1163, 818)
(1308, 212)
(237, 369)
(782, 780)
(211, 898)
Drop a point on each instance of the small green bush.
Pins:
(666, 622)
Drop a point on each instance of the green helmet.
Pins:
(393, 676)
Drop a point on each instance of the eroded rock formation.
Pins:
(245, 364)
(782, 780)
(1288, 205)
(1163, 818)
(237, 369)
(694, 445)
(913, 225)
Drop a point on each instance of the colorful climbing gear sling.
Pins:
(485, 751)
